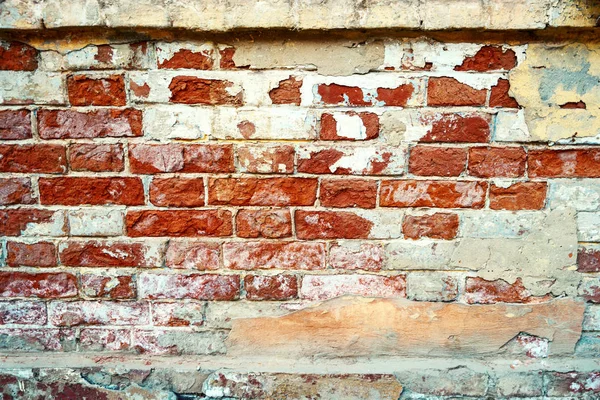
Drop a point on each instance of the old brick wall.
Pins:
(258, 200)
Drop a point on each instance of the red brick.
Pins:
(96, 157)
(46, 285)
(94, 91)
(277, 287)
(588, 260)
(370, 122)
(226, 58)
(354, 96)
(265, 223)
(193, 255)
(185, 58)
(434, 226)
(22, 312)
(41, 254)
(262, 192)
(353, 255)
(398, 96)
(519, 196)
(72, 191)
(580, 163)
(489, 162)
(480, 291)
(274, 255)
(325, 161)
(40, 158)
(266, 160)
(177, 314)
(104, 339)
(195, 286)
(76, 313)
(348, 193)
(287, 92)
(499, 96)
(194, 90)
(589, 290)
(15, 124)
(177, 192)
(444, 91)
(179, 223)
(71, 124)
(193, 158)
(489, 58)
(108, 287)
(107, 254)
(458, 128)
(14, 221)
(437, 161)
(442, 194)
(315, 287)
(16, 191)
(331, 225)
(18, 57)
(574, 105)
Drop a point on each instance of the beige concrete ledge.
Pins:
(219, 15)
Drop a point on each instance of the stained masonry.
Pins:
(299, 199)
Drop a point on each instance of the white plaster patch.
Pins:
(96, 222)
(350, 126)
(177, 122)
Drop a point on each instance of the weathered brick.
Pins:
(96, 253)
(499, 96)
(22, 312)
(96, 157)
(335, 94)
(108, 287)
(274, 255)
(262, 192)
(91, 190)
(431, 286)
(87, 90)
(580, 163)
(17, 87)
(588, 259)
(348, 193)
(72, 124)
(177, 342)
(177, 314)
(180, 55)
(43, 285)
(266, 223)
(353, 255)
(177, 192)
(316, 287)
(444, 91)
(434, 226)
(442, 194)
(459, 128)
(96, 222)
(195, 286)
(571, 384)
(226, 57)
(266, 160)
(194, 90)
(15, 56)
(104, 339)
(179, 223)
(192, 255)
(41, 158)
(38, 339)
(351, 160)
(486, 162)
(286, 92)
(32, 222)
(98, 313)
(349, 125)
(358, 224)
(15, 124)
(152, 159)
(589, 290)
(276, 287)
(518, 196)
(437, 161)
(40, 254)
(169, 122)
(128, 56)
(16, 191)
(480, 291)
(489, 58)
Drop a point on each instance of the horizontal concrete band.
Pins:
(218, 15)
(380, 365)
